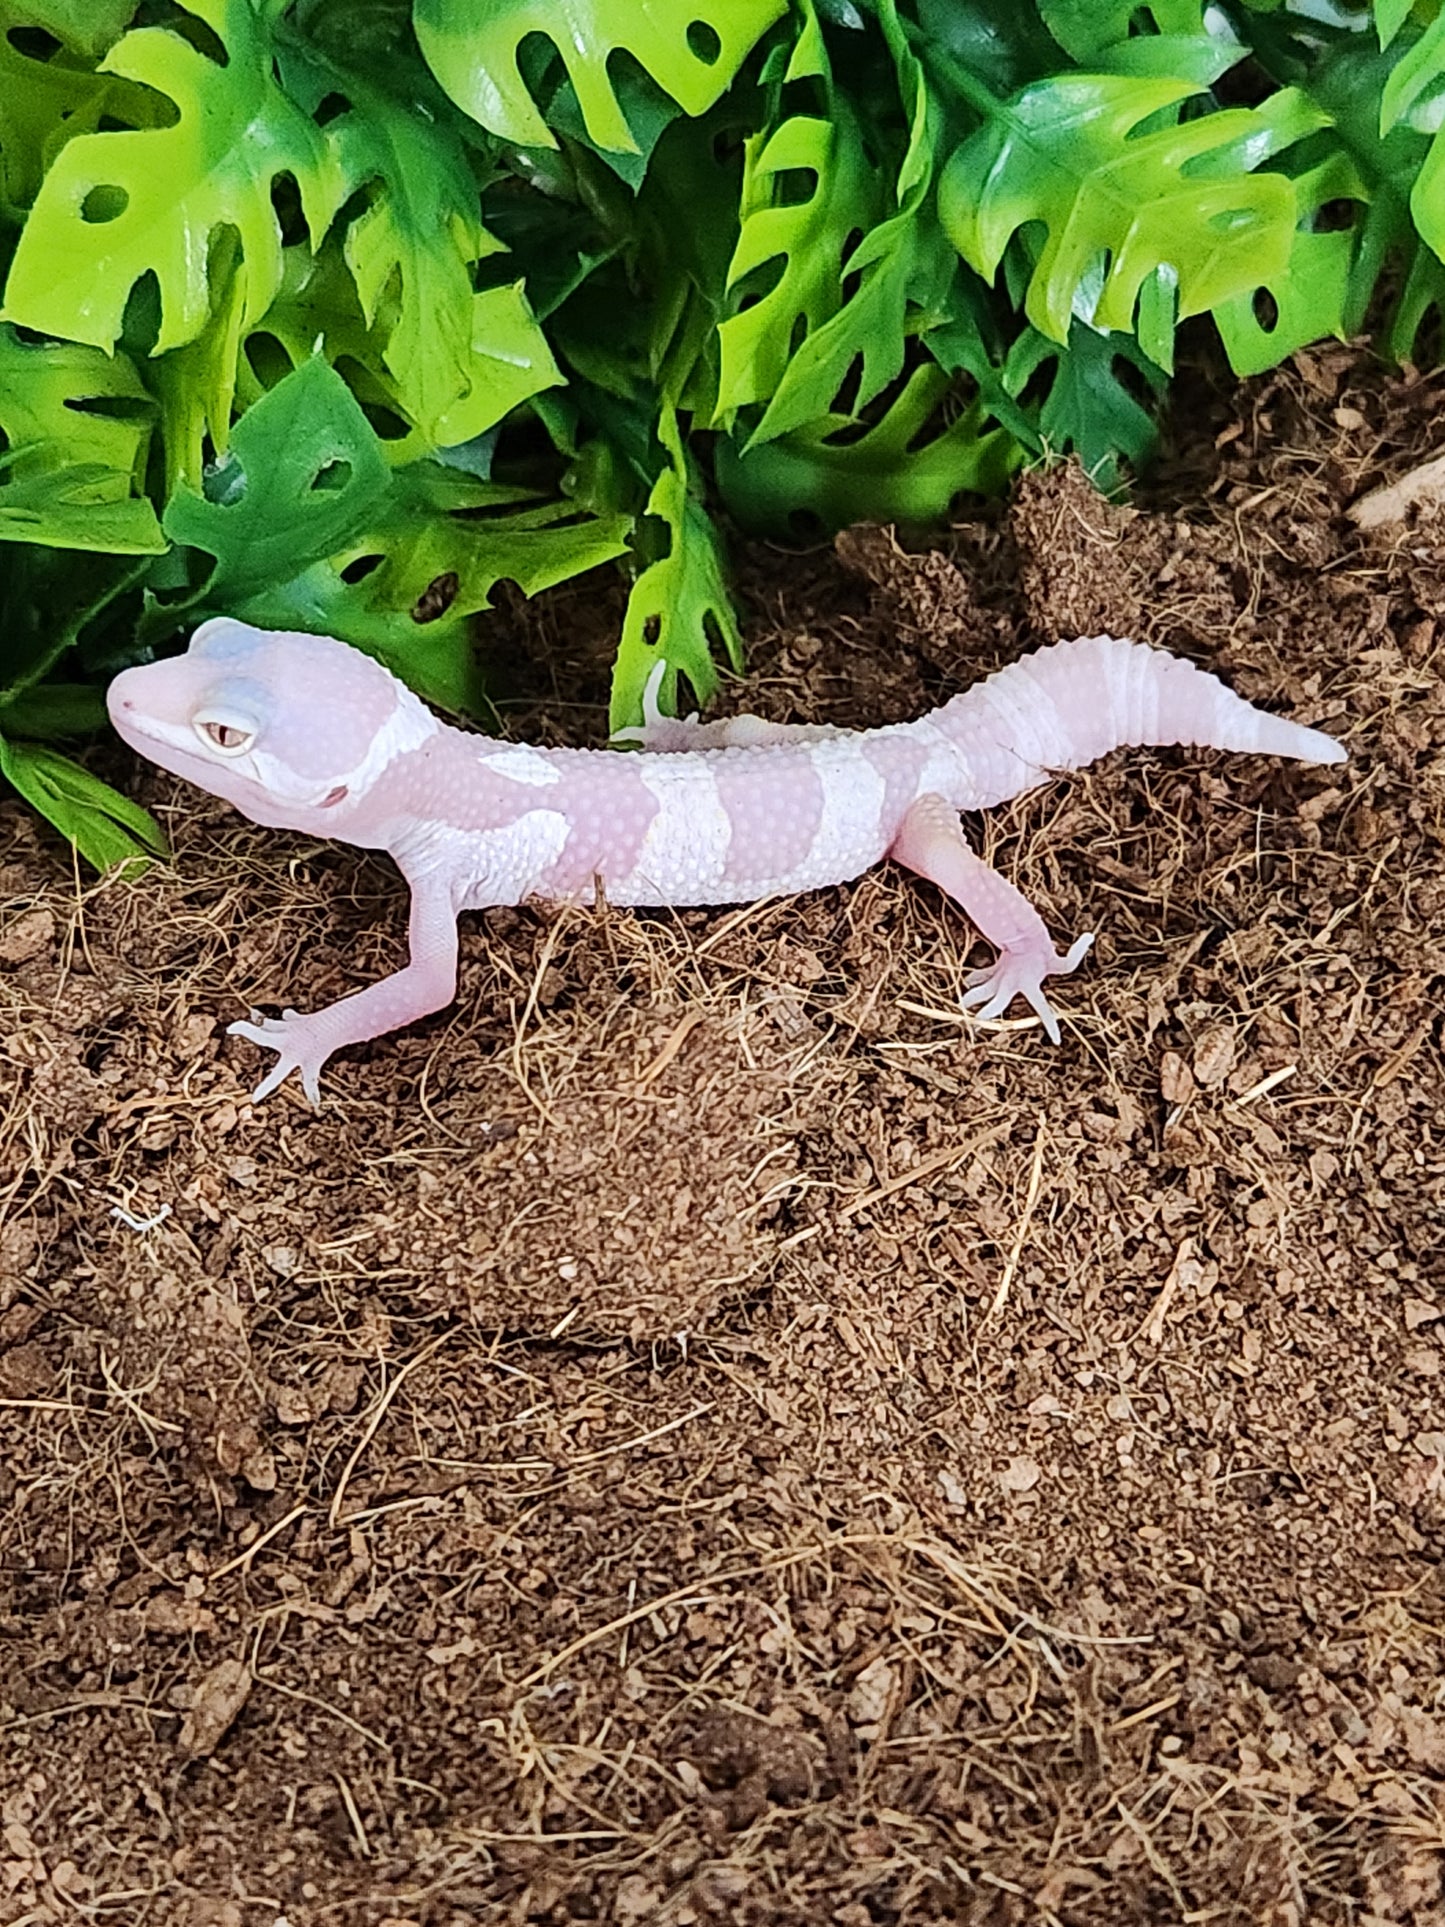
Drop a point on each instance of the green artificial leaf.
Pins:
(858, 303)
(407, 587)
(1389, 250)
(679, 609)
(1412, 94)
(691, 52)
(1312, 298)
(808, 186)
(115, 207)
(46, 99)
(508, 359)
(974, 340)
(910, 466)
(304, 474)
(76, 507)
(62, 405)
(411, 247)
(1121, 207)
(1089, 405)
(1390, 16)
(54, 709)
(53, 600)
(1086, 28)
(686, 228)
(984, 47)
(1416, 71)
(90, 26)
(647, 110)
(106, 827)
(195, 385)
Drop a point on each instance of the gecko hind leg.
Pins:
(931, 843)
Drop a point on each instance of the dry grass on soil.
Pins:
(702, 1431)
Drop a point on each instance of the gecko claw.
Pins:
(1021, 973)
(297, 1045)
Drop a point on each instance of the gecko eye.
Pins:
(229, 737)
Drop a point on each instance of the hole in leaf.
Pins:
(1037, 389)
(34, 42)
(687, 698)
(437, 597)
(652, 631)
(384, 420)
(757, 285)
(331, 108)
(539, 64)
(651, 539)
(846, 399)
(267, 358)
(794, 186)
(332, 477)
(704, 42)
(175, 19)
(104, 203)
(225, 482)
(716, 640)
(1424, 347)
(141, 323)
(1266, 310)
(286, 204)
(493, 271)
(852, 280)
(361, 568)
(1335, 217)
(1132, 379)
(798, 336)
(117, 408)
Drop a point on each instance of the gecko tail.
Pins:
(1065, 706)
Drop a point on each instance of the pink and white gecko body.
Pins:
(305, 733)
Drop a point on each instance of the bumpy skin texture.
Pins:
(304, 733)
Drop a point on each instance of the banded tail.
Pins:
(1065, 706)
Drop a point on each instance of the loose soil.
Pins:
(704, 1431)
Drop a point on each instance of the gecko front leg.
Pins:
(932, 843)
(678, 734)
(303, 1042)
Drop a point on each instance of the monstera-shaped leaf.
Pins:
(1177, 219)
(312, 530)
(908, 466)
(864, 262)
(49, 91)
(61, 404)
(679, 606)
(411, 244)
(690, 48)
(117, 206)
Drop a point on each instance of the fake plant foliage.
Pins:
(334, 314)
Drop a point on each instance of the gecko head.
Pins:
(293, 730)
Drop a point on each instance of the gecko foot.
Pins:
(657, 731)
(1021, 973)
(300, 1046)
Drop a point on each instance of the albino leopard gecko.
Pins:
(304, 733)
